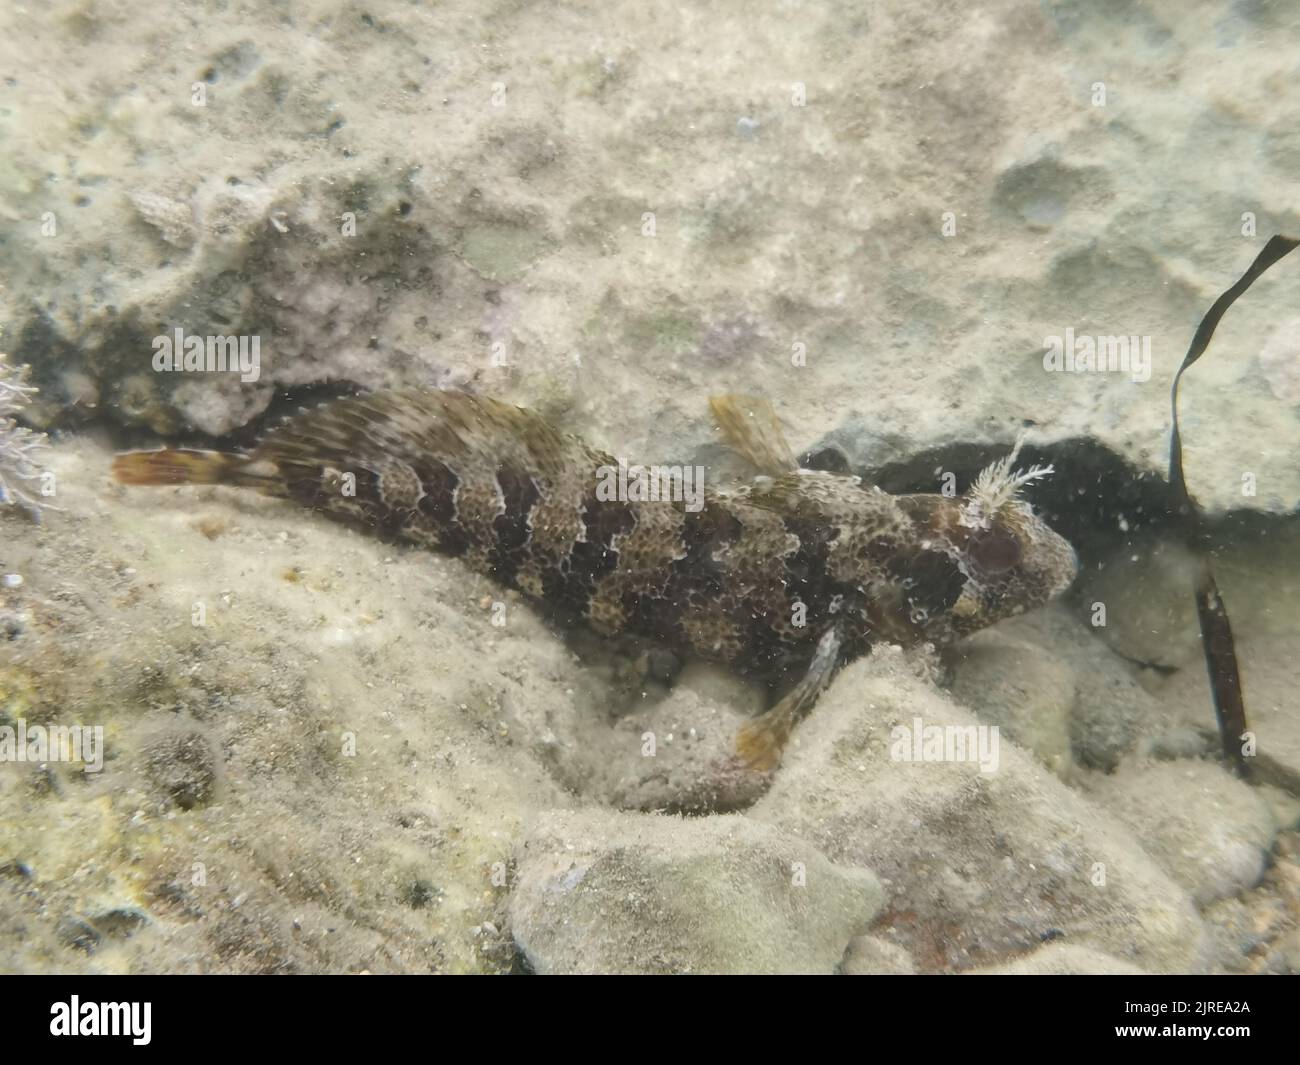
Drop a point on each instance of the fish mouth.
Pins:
(1067, 561)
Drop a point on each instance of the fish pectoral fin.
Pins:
(760, 743)
(750, 427)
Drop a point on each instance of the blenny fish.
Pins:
(789, 574)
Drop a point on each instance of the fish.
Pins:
(783, 573)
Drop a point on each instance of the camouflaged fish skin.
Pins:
(498, 487)
(785, 578)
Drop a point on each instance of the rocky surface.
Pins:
(601, 892)
(1210, 832)
(977, 863)
(1061, 959)
(874, 956)
(610, 215)
(1030, 696)
(1057, 689)
(322, 753)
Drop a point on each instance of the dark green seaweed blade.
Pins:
(1216, 631)
(1221, 664)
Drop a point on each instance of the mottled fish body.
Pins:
(792, 573)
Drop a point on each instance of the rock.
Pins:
(1279, 361)
(1236, 934)
(647, 749)
(979, 865)
(1177, 744)
(692, 768)
(1210, 832)
(1284, 806)
(1063, 959)
(873, 956)
(1255, 931)
(1146, 592)
(1110, 711)
(379, 245)
(1015, 686)
(598, 892)
(1288, 954)
(121, 922)
(173, 220)
(73, 932)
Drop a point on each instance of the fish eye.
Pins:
(995, 552)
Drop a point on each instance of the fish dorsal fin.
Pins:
(750, 427)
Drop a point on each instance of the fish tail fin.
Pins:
(174, 465)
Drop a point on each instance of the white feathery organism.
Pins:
(18, 444)
(997, 485)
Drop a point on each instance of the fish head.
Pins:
(982, 557)
(1013, 561)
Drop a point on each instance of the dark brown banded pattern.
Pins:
(517, 501)
(756, 579)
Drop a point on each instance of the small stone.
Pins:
(1209, 831)
(120, 923)
(1150, 612)
(76, 933)
(1063, 959)
(173, 220)
(1027, 694)
(873, 956)
(1176, 744)
(604, 892)
(184, 767)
